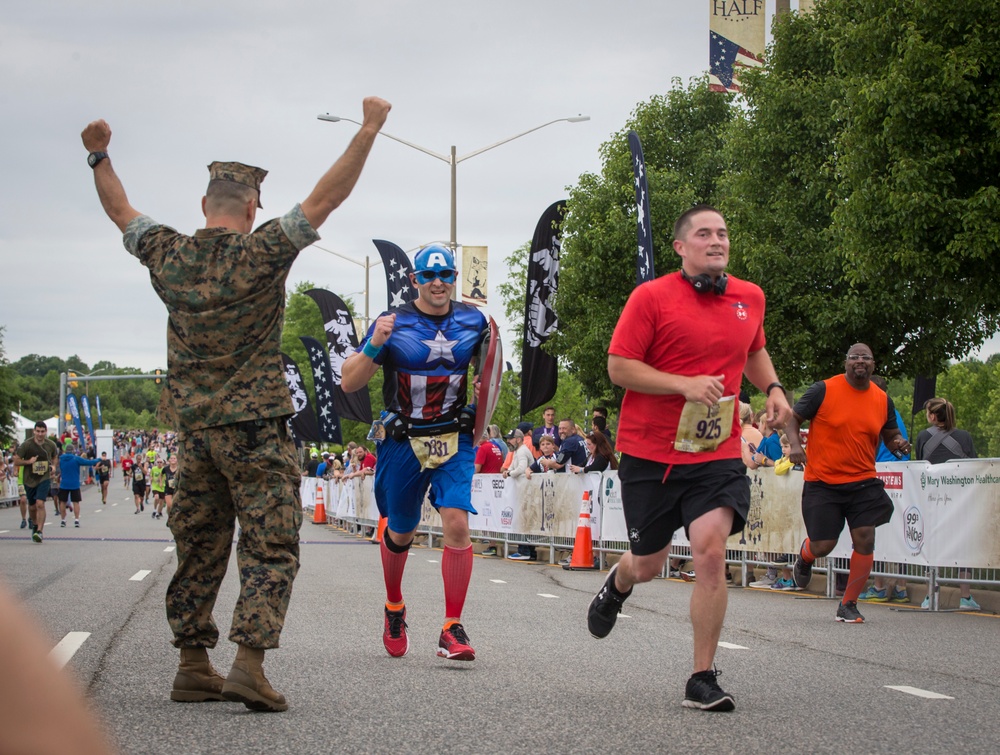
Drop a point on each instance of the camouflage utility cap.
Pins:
(239, 173)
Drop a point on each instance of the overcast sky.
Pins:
(185, 83)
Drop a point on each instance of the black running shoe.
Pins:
(605, 607)
(849, 613)
(802, 573)
(703, 693)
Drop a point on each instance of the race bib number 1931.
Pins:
(704, 428)
(433, 451)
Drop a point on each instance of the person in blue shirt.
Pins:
(70, 496)
(424, 348)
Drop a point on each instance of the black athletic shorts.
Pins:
(139, 487)
(660, 498)
(67, 495)
(825, 508)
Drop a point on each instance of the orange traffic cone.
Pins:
(583, 547)
(383, 522)
(319, 517)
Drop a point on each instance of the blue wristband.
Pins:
(371, 351)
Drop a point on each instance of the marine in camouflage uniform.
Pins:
(224, 289)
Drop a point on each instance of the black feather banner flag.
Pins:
(342, 340)
(397, 274)
(329, 422)
(303, 422)
(539, 370)
(644, 233)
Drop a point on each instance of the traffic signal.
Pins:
(72, 382)
(158, 379)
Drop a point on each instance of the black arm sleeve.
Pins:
(807, 406)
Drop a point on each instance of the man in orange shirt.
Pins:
(848, 415)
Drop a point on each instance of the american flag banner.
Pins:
(397, 274)
(539, 370)
(736, 41)
(303, 423)
(342, 340)
(329, 422)
(644, 233)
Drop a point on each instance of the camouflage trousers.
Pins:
(246, 472)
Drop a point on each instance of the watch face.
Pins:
(95, 157)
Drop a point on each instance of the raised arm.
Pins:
(96, 138)
(338, 182)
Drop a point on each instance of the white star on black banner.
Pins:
(644, 233)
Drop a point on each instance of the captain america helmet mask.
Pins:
(434, 260)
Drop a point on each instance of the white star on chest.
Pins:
(440, 348)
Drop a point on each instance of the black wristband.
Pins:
(775, 384)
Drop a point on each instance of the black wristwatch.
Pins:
(95, 157)
(772, 386)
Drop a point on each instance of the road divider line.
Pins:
(546, 595)
(140, 575)
(731, 646)
(169, 549)
(498, 581)
(916, 692)
(67, 647)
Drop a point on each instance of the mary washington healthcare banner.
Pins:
(342, 340)
(644, 233)
(303, 423)
(329, 422)
(736, 41)
(397, 267)
(539, 373)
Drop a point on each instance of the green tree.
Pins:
(682, 135)
(8, 397)
(861, 186)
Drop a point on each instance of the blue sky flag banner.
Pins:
(329, 422)
(397, 274)
(736, 41)
(74, 411)
(644, 233)
(100, 420)
(85, 403)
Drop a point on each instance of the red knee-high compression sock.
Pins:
(806, 552)
(861, 567)
(456, 569)
(393, 563)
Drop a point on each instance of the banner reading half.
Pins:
(736, 41)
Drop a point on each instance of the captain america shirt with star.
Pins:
(425, 362)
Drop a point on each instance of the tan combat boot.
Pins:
(247, 684)
(196, 680)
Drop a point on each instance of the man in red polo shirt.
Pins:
(848, 415)
(680, 350)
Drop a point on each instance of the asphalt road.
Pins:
(541, 683)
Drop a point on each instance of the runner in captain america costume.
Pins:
(425, 349)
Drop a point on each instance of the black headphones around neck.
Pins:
(705, 284)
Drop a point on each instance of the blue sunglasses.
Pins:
(426, 276)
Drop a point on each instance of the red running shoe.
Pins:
(454, 644)
(394, 637)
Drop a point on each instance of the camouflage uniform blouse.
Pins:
(225, 297)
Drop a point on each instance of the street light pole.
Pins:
(453, 160)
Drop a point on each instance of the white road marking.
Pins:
(98, 511)
(919, 692)
(140, 575)
(169, 549)
(731, 646)
(546, 595)
(67, 647)
(4, 532)
(498, 581)
(624, 616)
(432, 561)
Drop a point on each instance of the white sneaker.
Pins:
(76, 522)
(766, 581)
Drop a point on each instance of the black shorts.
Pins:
(38, 493)
(160, 495)
(139, 487)
(67, 495)
(825, 507)
(660, 498)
